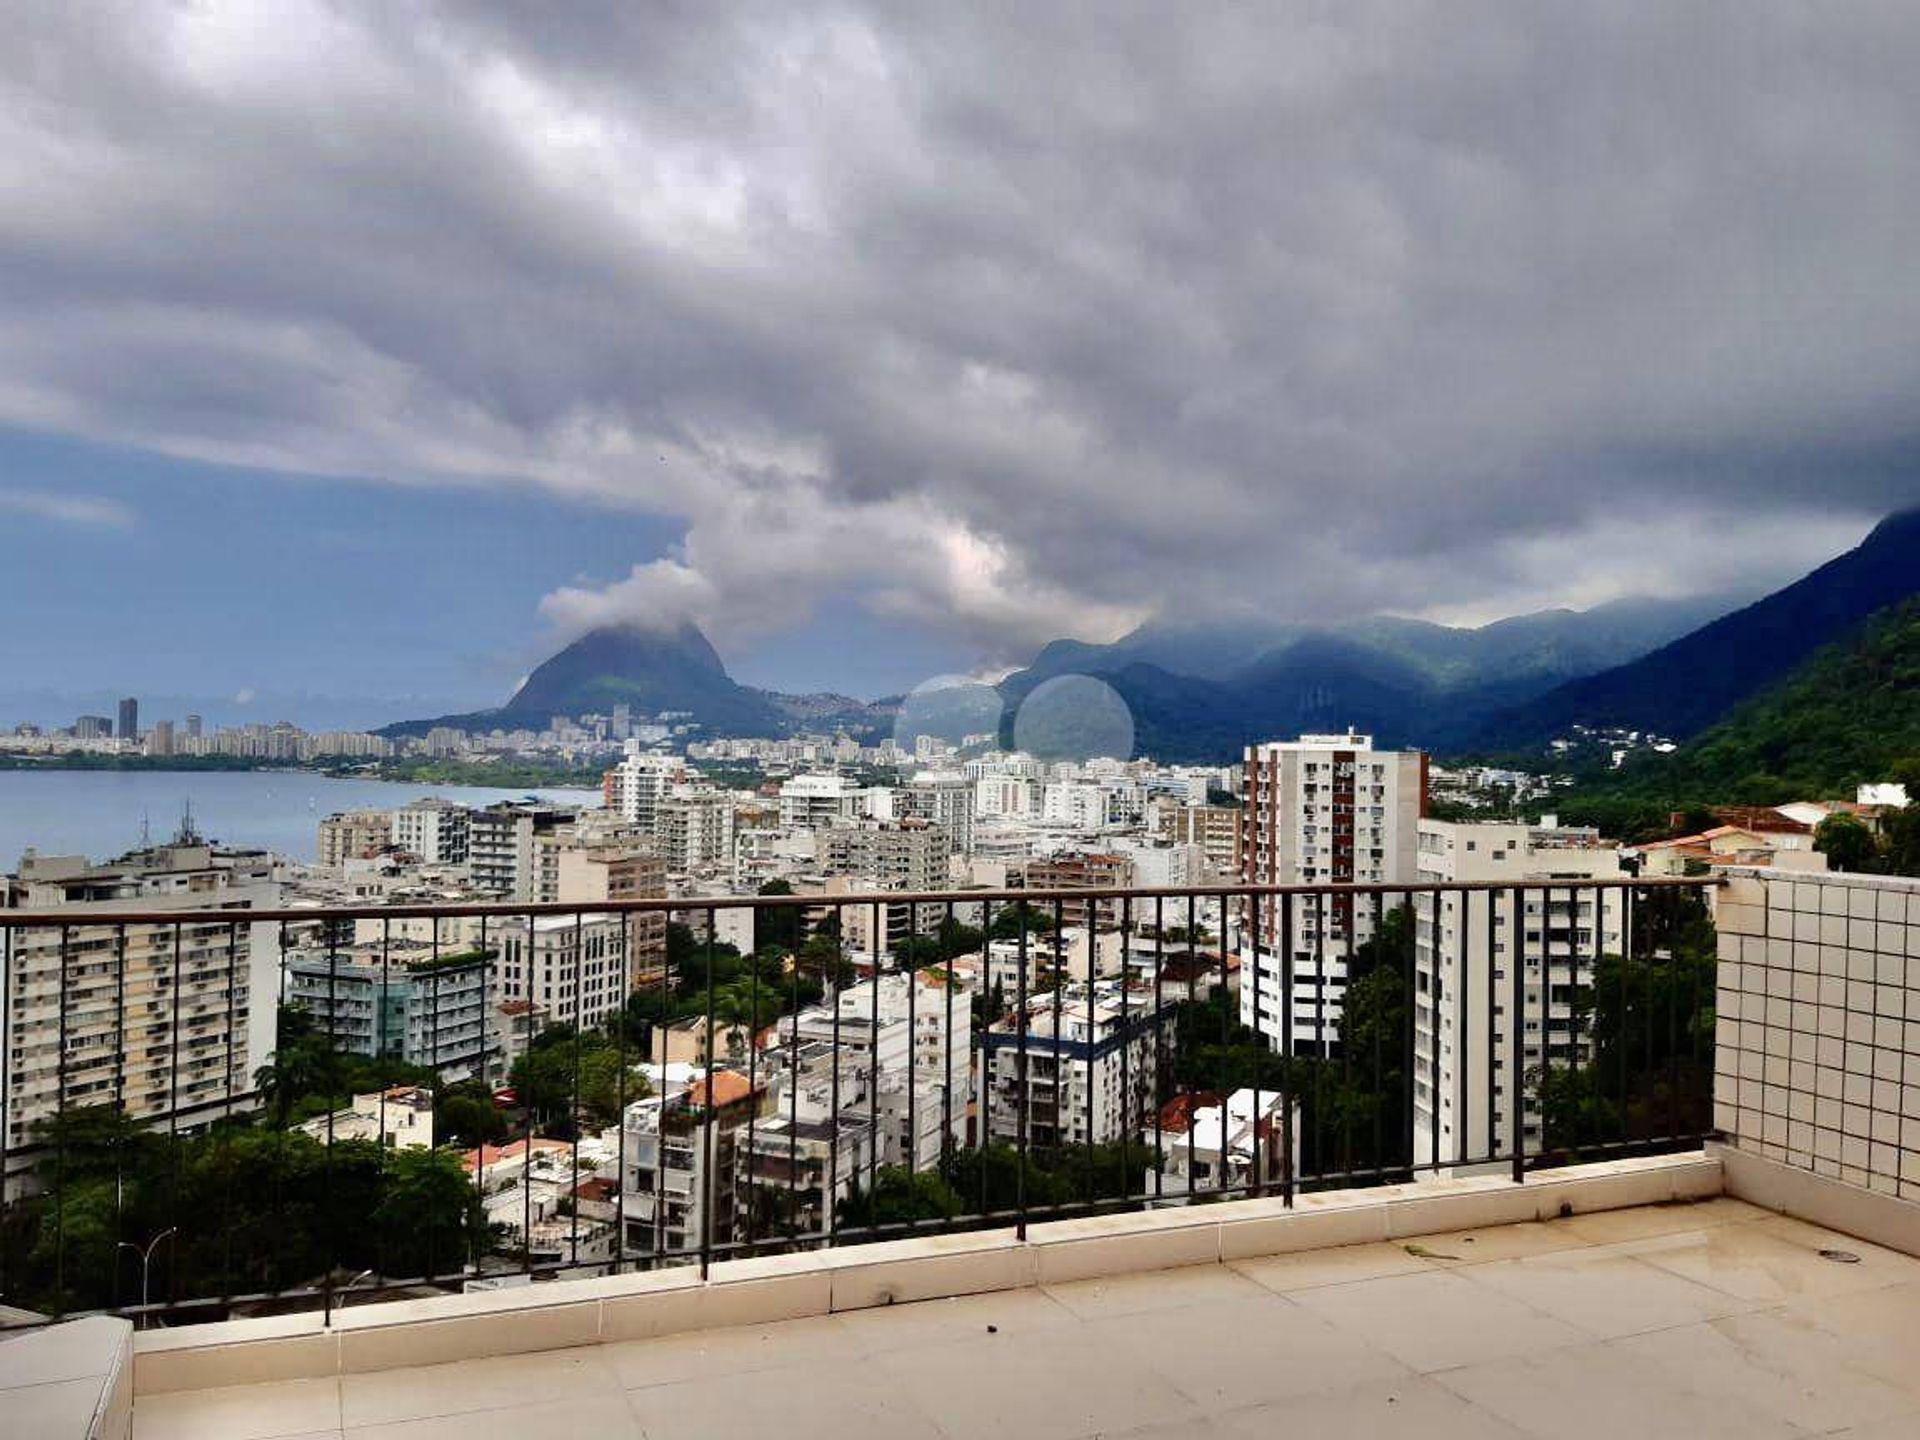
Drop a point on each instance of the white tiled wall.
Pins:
(1817, 1056)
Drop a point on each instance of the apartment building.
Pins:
(165, 1022)
(1081, 870)
(433, 829)
(621, 870)
(1324, 809)
(1465, 948)
(695, 831)
(353, 834)
(574, 967)
(1078, 1067)
(423, 1004)
(811, 801)
(504, 848)
(1214, 828)
(685, 1150)
(893, 854)
(946, 800)
(635, 787)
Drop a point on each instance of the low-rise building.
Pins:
(1080, 1066)
(400, 1118)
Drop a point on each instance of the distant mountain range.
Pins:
(1685, 686)
(1199, 692)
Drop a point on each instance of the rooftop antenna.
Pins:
(146, 832)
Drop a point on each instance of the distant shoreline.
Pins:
(506, 775)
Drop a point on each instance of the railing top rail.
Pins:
(91, 914)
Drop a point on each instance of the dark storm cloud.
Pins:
(1016, 320)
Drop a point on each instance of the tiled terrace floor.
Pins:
(1706, 1320)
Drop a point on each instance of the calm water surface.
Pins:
(98, 813)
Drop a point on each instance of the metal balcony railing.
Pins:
(1228, 1031)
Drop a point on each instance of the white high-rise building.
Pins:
(575, 967)
(696, 830)
(810, 801)
(945, 798)
(1320, 810)
(433, 829)
(635, 787)
(1464, 955)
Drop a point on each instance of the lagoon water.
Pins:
(98, 813)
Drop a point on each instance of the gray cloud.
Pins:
(1012, 320)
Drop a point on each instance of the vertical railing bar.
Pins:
(173, 1120)
(707, 1117)
(485, 1061)
(433, 1054)
(982, 1133)
(60, 1146)
(1228, 1020)
(1347, 915)
(526, 1109)
(946, 1053)
(579, 1024)
(1093, 1029)
(378, 1041)
(1462, 1052)
(793, 1096)
(1433, 1041)
(1193, 983)
(1379, 947)
(1517, 1027)
(120, 1094)
(280, 1080)
(333, 1021)
(9, 1022)
(1651, 1125)
(873, 1071)
(1319, 1025)
(1283, 951)
(1024, 1088)
(1129, 1110)
(227, 1086)
(1159, 1040)
(1259, 1063)
(1494, 950)
(913, 1048)
(753, 1081)
(831, 990)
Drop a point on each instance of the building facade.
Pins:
(166, 1023)
(1322, 810)
(1465, 948)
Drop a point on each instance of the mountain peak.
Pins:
(649, 668)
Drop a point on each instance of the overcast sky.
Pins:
(391, 342)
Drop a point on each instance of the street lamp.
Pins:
(146, 1262)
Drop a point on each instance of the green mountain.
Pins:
(1848, 715)
(648, 669)
(1686, 686)
(1199, 692)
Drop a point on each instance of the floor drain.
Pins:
(1840, 1257)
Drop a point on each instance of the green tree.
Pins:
(1848, 845)
(464, 1115)
(777, 927)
